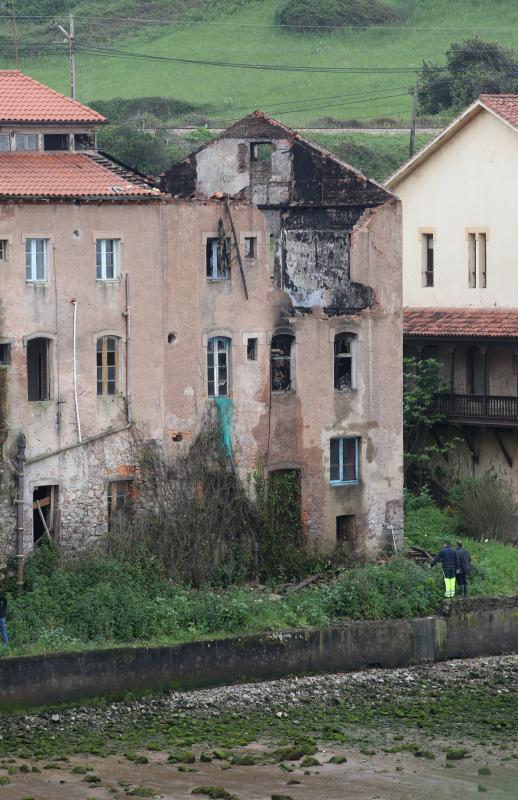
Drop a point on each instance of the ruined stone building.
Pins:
(262, 278)
(460, 282)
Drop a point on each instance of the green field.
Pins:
(248, 35)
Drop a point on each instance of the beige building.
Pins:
(460, 279)
(264, 279)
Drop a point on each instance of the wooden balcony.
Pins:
(478, 409)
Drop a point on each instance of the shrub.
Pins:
(486, 508)
(308, 15)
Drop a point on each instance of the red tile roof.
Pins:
(67, 175)
(22, 99)
(465, 323)
(505, 105)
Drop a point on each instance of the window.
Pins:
(84, 141)
(272, 257)
(282, 363)
(218, 366)
(343, 358)
(38, 372)
(218, 258)
(261, 151)
(107, 259)
(44, 506)
(26, 141)
(107, 365)
(346, 528)
(476, 369)
(250, 247)
(3, 249)
(56, 141)
(477, 252)
(36, 260)
(5, 354)
(118, 503)
(344, 460)
(251, 349)
(5, 142)
(427, 241)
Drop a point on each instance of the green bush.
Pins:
(308, 15)
(486, 508)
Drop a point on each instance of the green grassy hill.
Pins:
(242, 31)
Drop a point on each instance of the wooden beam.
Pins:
(45, 501)
(503, 448)
(470, 444)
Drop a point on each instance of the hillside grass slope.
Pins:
(244, 31)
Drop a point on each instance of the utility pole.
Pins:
(71, 39)
(414, 120)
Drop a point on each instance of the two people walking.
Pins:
(456, 566)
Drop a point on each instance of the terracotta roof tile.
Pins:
(476, 323)
(22, 99)
(505, 105)
(67, 175)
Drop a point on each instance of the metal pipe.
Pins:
(74, 366)
(20, 485)
(94, 438)
(127, 315)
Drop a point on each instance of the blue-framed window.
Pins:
(345, 456)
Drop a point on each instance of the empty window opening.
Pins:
(250, 247)
(56, 141)
(107, 259)
(343, 358)
(5, 354)
(282, 363)
(261, 151)
(428, 259)
(344, 454)
(218, 349)
(84, 141)
(171, 338)
(44, 505)
(251, 349)
(346, 528)
(119, 496)
(107, 365)
(26, 141)
(476, 368)
(38, 373)
(272, 257)
(5, 142)
(217, 256)
(36, 260)
(3, 249)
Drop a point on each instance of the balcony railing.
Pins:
(476, 409)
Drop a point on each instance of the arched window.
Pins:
(107, 366)
(218, 350)
(282, 367)
(344, 362)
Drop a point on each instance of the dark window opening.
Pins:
(346, 528)
(217, 256)
(217, 366)
(107, 365)
(272, 257)
(3, 249)
(84, 141)
(118, 504)
(44, 502)
(282, 363)
(5, 354)
(476, 378)
(343, 367)
(428, 259)
(171, 338)
(261, 151)
(344, 454)
(250, 247)
(56, 141)
(38, 377)
(251, 349)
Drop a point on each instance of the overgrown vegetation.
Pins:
(313, 16)
(473, 67)
(485, 508)
(149, 153)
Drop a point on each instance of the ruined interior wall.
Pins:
(46, 310)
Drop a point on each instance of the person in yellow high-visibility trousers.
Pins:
(450, 564)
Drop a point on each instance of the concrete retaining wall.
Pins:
(472, 630)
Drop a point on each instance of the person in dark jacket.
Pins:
(3, 609)
(450, 564)
(463, 569)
